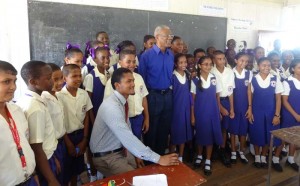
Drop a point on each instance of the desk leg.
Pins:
(270, 160)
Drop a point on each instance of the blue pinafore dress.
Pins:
(263, 110)
(207, 115)
(239, 124)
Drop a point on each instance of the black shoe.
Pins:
(293, 165)
(277, 167)
(256, 164)
(264, 165)
(197, 165)
(224, 159)
(207, 172)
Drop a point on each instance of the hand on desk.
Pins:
(167, 160)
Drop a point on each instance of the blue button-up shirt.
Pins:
(156, 68)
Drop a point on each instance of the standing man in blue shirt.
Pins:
(156, 67)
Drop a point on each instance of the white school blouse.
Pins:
(88, 82)
(286, 85)
(75, 108)
(10, 163)
(206, 84)
(56, 111)
(266, 83)
(39, 121)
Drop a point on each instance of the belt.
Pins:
(162, 92)
(101, 154)
(27, 180)
(224, 98)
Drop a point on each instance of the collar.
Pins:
(66, 92)
(178, 75)
(34, 95)
(47, 95)
(158, 50)
(235, 71)
(120, 97)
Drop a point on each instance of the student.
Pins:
(259, 52)
(95, 81)
(149, 41)
(238, 126)
(94, 84)
(185, 49)
(176, 45)
(205, 115)
(287, 57)
(56, 111)
(138, 105)
(38, 77)
(73, 55)
(90, 63)
(123, 45)
(103, 37)
(276, 69)
(210, 51)
(225, 77)
(265, 101)
(291, 106)
(181, 129)
(230, 57)
(77, 104)
(17, 168)
(198, 53)
(231, 44)
(250, 64)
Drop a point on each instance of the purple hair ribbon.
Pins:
(70, 46)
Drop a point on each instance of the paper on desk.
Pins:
(150, 180)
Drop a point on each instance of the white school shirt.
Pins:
(10, 163)
(226, 79)
(206, 84)
(135, 102)
(75, 108)
(286, 85)
(39, 121)
(266, 83)
(255, 66)
(88, 82)
(56, 111)
(242, 75)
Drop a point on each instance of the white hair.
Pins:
(159, 28)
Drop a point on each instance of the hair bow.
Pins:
(70, 46)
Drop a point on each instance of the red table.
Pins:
(176, 175)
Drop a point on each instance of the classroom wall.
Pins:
(245, 17)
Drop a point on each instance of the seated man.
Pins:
(112, 133)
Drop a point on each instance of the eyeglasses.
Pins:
(167, 36)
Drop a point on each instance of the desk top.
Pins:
(290, 135)
(176, 175)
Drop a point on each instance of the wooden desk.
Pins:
(176, 175)
(289, 135)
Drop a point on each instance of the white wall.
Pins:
(14, 36)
